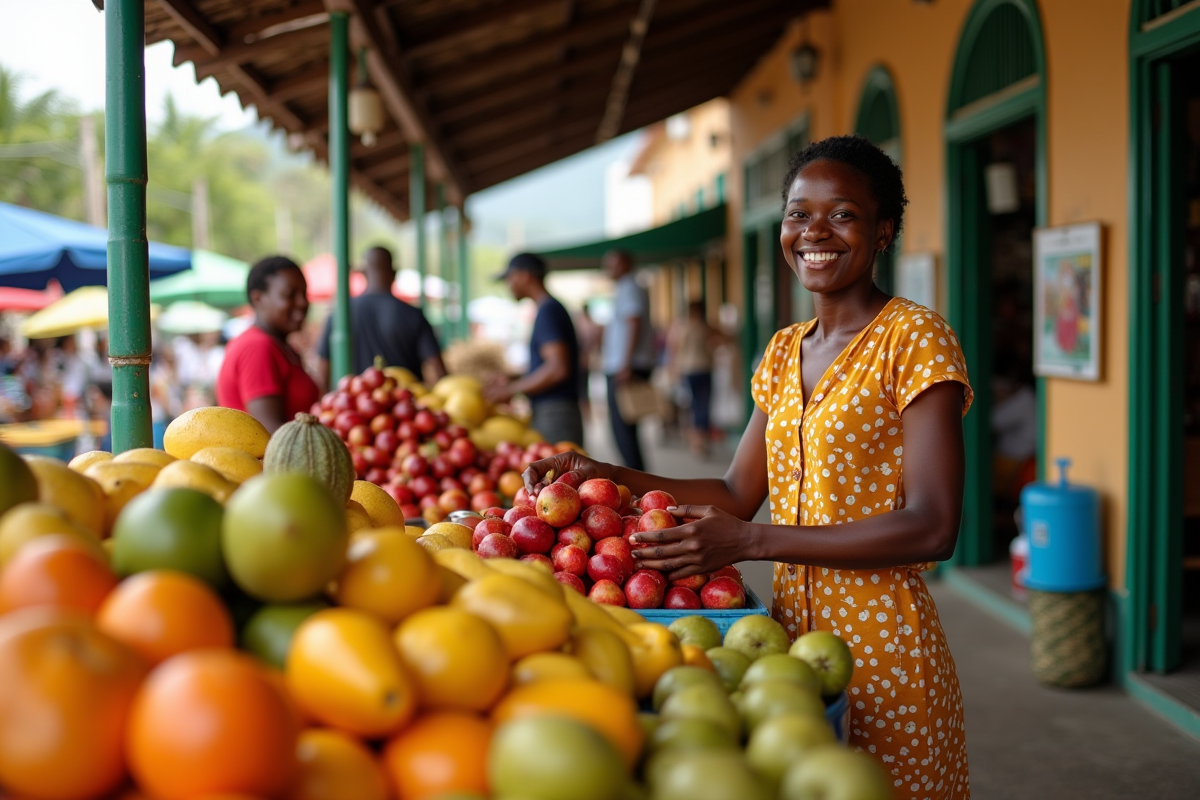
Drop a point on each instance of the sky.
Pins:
(59, 44)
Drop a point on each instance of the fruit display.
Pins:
(435, 451)
(581, 530)
(254, 646)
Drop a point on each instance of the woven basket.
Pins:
(1067, 645)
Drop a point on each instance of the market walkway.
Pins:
(1025, 741)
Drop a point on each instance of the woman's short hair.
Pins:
(264, 269)
(884, 176)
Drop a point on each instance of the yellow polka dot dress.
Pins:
(839, 460)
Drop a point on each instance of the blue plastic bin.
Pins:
(723, 617)
(1063, 524)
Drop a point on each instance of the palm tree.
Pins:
(39, 151)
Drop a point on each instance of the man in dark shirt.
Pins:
(384, 325)
(552, 383)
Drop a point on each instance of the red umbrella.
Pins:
(29, 299)
(321, 275)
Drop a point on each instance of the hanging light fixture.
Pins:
(366, 107)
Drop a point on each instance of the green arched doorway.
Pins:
(878, 119)
(996, 194)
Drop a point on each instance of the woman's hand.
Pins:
(711, 540)
(548, 470)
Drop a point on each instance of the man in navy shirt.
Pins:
(552, 383)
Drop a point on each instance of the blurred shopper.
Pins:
(552, 383)
(690, 348)
(382, 324)
(627, 350)
(261, 373)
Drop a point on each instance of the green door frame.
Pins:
(879, 84)
(1154, 529)
(969, 307)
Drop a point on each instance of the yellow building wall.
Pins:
(1087, 110)
(678, 168)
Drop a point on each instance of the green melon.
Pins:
(306, 446)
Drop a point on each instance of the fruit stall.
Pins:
(370, 604)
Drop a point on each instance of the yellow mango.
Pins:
(605, 655)
(145, 455)
(534, 575)
(27, 521)
(527, 619)
(236, 465)
(81, 462)
(548, 666)
(212, 426)
(379, 505)
(625, 616)
(79, 497)
(184, 474)
(655, 650)
(463, 562)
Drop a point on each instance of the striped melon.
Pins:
(305, 445)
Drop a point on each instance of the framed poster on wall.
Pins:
(1066, 302)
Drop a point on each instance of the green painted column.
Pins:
(464, 274)
(416, 209)
(340, 345)
(444, 263)
(128, 257)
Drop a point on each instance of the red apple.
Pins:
(327, 417)
(372, 378)
(656, 499)
(494, 511)
(522, 498)
(600, 492)
(383, 397)
(730, 572)
(356, 386)
(655, 520)
(401, 395)
(404, 410)
(680, 597)
(360, 464)
(643, 590)
(429, 501)
(573, 581)
(424, 486)
(619, 548)
(626, 495)
(325, 403)
(607, 592)
(487, 526)
(603, 566)
(471, 522)
(424, 421)
(381, 423)
(410, 510)
(481, 501)
(387, 442)
(573, 479)
(454, 500)
(494, 545)
(532, 535)
(376, 476)
(723, 592)
(575, 534)
(441, 467)
(601, 522)
(443, 439)
(629, 526)
(519, 511)
(414, 465)
(569, 558)
(366, 406)
(537, 558)
(400, 493)
(480, 483)
(693, 583)
(448, 484)
(558, 505)
(407, 432)
(359, 436)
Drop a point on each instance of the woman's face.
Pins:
(830, 229)
(284, 304)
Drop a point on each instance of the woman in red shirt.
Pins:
(261, 373)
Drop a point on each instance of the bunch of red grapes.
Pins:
(582, 529)
(424, 461)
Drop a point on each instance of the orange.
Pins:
(162, 612)
(510, 483)
(610, 711)
(207, 722)
(695, 656)
(438, 754)
(334, 766)
(457, 659)
(389, 575)
(58, 571)
(65, 694)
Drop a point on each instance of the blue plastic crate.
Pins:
(723, 617)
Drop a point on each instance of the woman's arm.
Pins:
(926, 529)
(268, 410)
(739, 493)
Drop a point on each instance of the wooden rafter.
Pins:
(447, 33)
(631, 53)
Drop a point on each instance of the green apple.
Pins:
(730, 666)
(676, 678)
(704, 701)
(829, 656)
(772, 698)
(704, 775)
(782, 667)
(831, 772)
(690, 734)
(700, 631)
(756, 636)
(781, 741)
(553, 758)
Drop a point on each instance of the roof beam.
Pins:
(194, 24)
(395, 166)
(300, 83)
(631, 53)
(251, 29)
(455, 28)
(384, 63)
(240, 52)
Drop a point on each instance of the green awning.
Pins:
(682, 238)
(213, 279)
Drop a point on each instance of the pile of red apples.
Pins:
(582, 529)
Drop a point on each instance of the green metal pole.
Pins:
(464, 275)
(341, 362)
(128, 257)
(444, 259)
(416, 209)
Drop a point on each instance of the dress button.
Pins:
(791, 569)
(796, 475)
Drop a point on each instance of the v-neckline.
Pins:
(806, 401)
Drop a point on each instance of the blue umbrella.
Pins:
(35, 247)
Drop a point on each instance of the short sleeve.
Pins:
(323, 342)
(764, 384)
(926, 352)
(427, 343)
(259, 373)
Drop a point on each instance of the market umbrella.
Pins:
(213, 279)
(191, 316)
(35, 247)
(86, 307)
(28, 299)
(321, 276)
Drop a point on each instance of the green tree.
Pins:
(39, 150)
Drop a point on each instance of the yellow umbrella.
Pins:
(86, 307)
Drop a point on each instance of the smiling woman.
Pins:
(856, 441)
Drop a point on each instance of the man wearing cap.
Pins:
(552, 383)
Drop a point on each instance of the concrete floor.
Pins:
(1025, 741)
